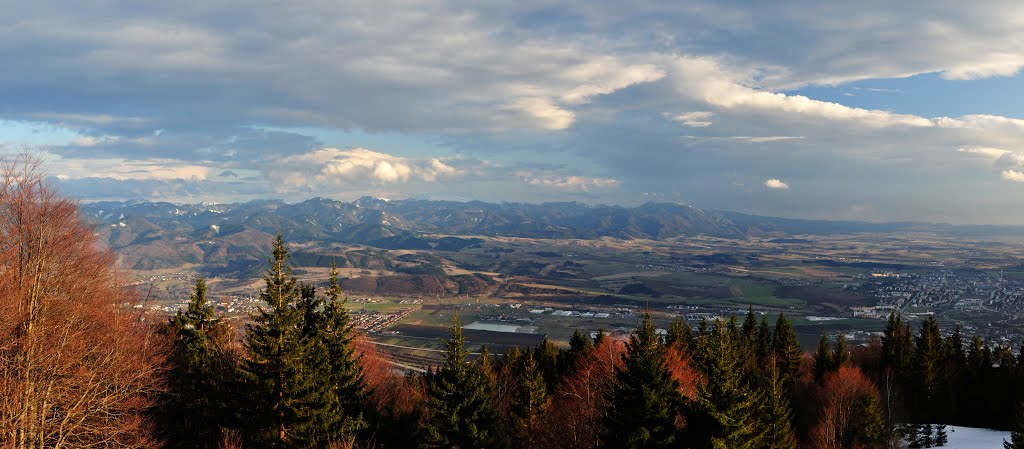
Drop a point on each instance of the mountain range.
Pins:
(150, 235)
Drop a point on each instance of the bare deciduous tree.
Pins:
(77, 367)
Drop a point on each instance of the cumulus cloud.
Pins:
(775, 183)
(1013, 175)
(357, 165)
(578, 84)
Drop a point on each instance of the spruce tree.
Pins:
(955, 351)
(749, 326)
(283, 392)
(763, 340)
(822, 359)
(912, 434)
(458, 414)
(530, 404)
(941, 438)
(897, 347)
(778, 414)
(786, 348)
(643, 402)
(869, 428)
(1017, 430)
(928, 370)
(679, 333)
(193, 408)
(344, 374)
(840, 353)
(732, 405)
(549, 358)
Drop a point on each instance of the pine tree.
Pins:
(580, 344)
(548, 357)
(284, 393)
(913, 435)
(779, 416)
(732, 406)
(897, 347)
(643, 403)
(869, 427)
(749, 326)
(763, 340)
(194, 406)
(928, 370)
(979, 356)
(1017, 430)
(344, 374)
(458, 415)
(840, 353)
(679, 333)
(1003, 356)
(941, 438)
(926, 436)
(786, 348)
(530, 404)
(822, 359)
(955, 348)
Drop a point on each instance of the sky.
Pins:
(870, 110)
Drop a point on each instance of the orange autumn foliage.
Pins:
(77, 367)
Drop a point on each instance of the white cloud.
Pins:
(602, 81)
(987, 152)
(545, 113)
(571, 183)
(775, 183)
(1013, 175)
(696, 119)
(92, 141)
(333, 166)
(127, 169)
(994, 64)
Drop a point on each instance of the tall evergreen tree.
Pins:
(679, 333)
(749, 325)
(458, 414)
(897, 347)
(643, 403)
(344, 374)
(530, 404)
(822, 359)
(732, 406)
(786, 348)
(955, 351)
(840, 353)
(928, 368)
(869, 428)
(549, 360)
(194, 407)
(778, 414)
(285, 396)
(763, 340)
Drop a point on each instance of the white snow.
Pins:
(974, 438)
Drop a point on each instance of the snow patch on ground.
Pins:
(974, 438)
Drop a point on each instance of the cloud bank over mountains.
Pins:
(694, 101)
